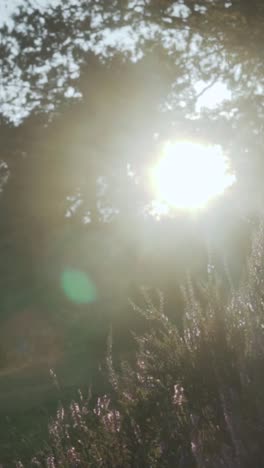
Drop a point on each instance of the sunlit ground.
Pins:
(189, 175)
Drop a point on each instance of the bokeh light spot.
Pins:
(78, 287)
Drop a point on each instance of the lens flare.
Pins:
(189, 175)
(78, 287)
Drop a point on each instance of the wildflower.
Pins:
(112, 421)
(51, 462)
(178, 396)
(73, 456)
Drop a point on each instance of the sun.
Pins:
(188, 175)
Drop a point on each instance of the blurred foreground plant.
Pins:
(193, 397)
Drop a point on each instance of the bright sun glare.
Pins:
(189, 175)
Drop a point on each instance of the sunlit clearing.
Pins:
(78, 287)
(189, 175)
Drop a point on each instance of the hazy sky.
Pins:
(9, 7)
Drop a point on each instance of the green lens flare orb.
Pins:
(78, 287)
